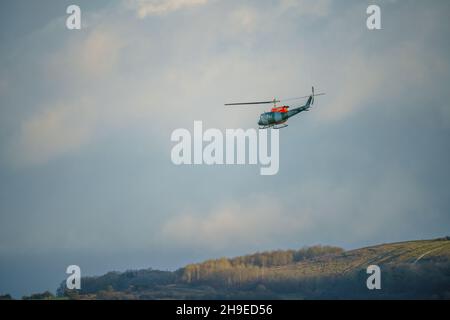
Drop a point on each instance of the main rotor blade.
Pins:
(245, 103)
(273, 101)
(304, 97)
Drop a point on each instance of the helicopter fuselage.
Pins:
(278, 117)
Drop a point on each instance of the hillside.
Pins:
(392, 254)
(411, 270)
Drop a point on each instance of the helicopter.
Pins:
(277, 117)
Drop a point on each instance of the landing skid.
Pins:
(274, 126)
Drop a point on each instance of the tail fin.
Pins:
(310, 101)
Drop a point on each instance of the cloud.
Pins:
(244, 19)
(3, 86)
(146, 8)
(58, 130)
(69, 119)
(313, 210)
(100, 52)
(363, 207)
(258, 221)
(364, 79)
(318, 8)
(93, 55)
(174, 77)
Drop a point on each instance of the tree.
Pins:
(47, 295)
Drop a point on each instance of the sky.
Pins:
(86, 117)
